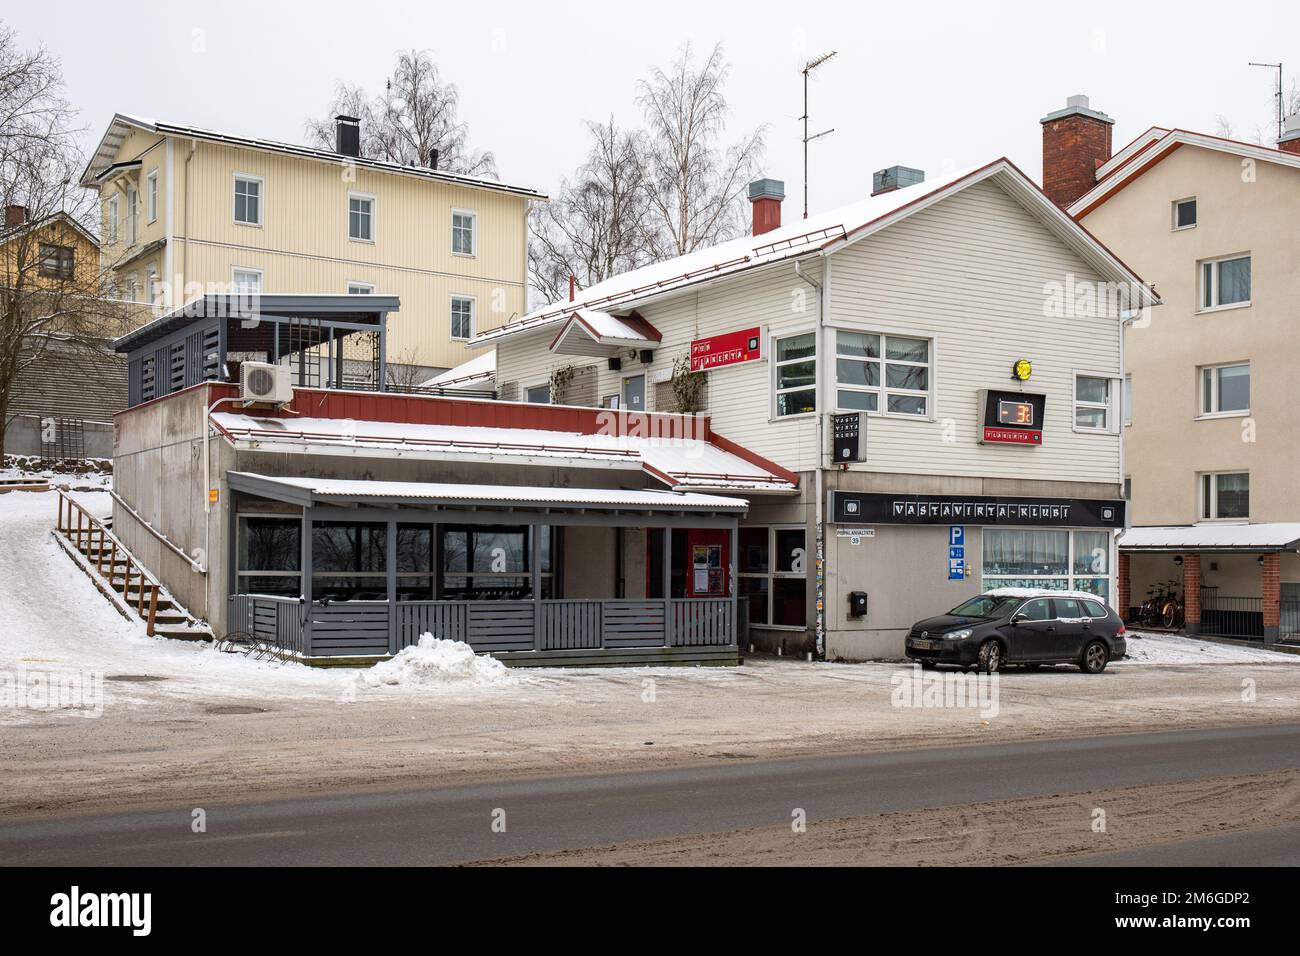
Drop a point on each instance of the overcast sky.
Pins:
(932, 85)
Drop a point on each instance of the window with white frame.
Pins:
(361, 218)
(1225, 389)
(1127, 398)
(772, 575)
(151, 196)
(796, 374)
(1225, 282)
(462, 232)
(151, 286)
(538, 394)
(113, 215)
(1092, 403)
(875, 372)
(1042, 558)
(132, 215)
(360, 288)
(462, 317)
(246, 281)
(1225, 494)
(1184, 213)
(248, 200)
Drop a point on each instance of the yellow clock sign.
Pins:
(1022, 370)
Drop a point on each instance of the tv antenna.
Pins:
(1278, 67)
(808, 68)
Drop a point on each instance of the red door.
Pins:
(708, 563)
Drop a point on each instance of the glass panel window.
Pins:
(772, 570)
(462, 317)
(1225, 282)
(1039, 609)
(360, 288)
(56, 262)
(151, 196)
(900, 387)
(538, 394)
(1184, 213)
(491, 563)
(246, 281)
(132, 201)
(1091, 402)
(462, 233)
(796, 374)
(112, 216)
(248, 201)
(1225, 388)
(361, 214)
(269, 555)
(1049, 559)
(1225, 495)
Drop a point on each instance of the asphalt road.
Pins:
(452, 824)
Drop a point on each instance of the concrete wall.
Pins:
(23, 437)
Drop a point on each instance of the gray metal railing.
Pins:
(1227, 616)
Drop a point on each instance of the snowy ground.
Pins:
(184, 721)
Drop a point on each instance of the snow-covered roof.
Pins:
(680, 463)
(336, 490)
(478, 371)
(816, 235)
(1043, 592)
(121, 125)
(1282, 535)
(1154, 145)
(591, 332)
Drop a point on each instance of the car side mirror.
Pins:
(1017, 618)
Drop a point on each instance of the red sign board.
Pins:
(1012, 436)
(730, 348)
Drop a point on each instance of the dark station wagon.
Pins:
(1021, 626)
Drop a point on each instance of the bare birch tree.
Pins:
(415, 115)
(595, 226)
(43, 299)
(695, 183)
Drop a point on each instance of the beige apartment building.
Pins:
(1212, 427)
(189, 211)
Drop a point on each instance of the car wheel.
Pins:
(927, 665)
(990, 659)
(1095, 657)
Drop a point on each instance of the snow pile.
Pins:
(438, 663)
(1176, 649)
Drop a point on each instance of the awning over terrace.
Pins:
(309, 492)
(681, 463)
(1276, 536)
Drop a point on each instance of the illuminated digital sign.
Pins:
(1015, 413)
(1011, 418)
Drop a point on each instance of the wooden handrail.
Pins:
(83, 535)
(158, 535)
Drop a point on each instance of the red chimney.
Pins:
(1290, 140)
(1076, 140)
(766, 196)
(15, 216)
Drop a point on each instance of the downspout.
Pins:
(185, 258)
(207, 503)
(819, 542)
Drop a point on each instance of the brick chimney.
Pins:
(1290, 141)
(766, 196)
(1076, 140)
(15, 216)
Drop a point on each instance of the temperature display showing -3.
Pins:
(1015, 413)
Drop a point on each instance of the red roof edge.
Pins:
(740, 451)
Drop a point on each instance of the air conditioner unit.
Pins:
(264, 382)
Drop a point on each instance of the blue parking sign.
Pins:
(956, 535)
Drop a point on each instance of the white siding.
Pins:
(971, 272)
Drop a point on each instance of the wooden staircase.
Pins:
(134, 591)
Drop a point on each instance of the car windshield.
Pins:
(986, 605)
